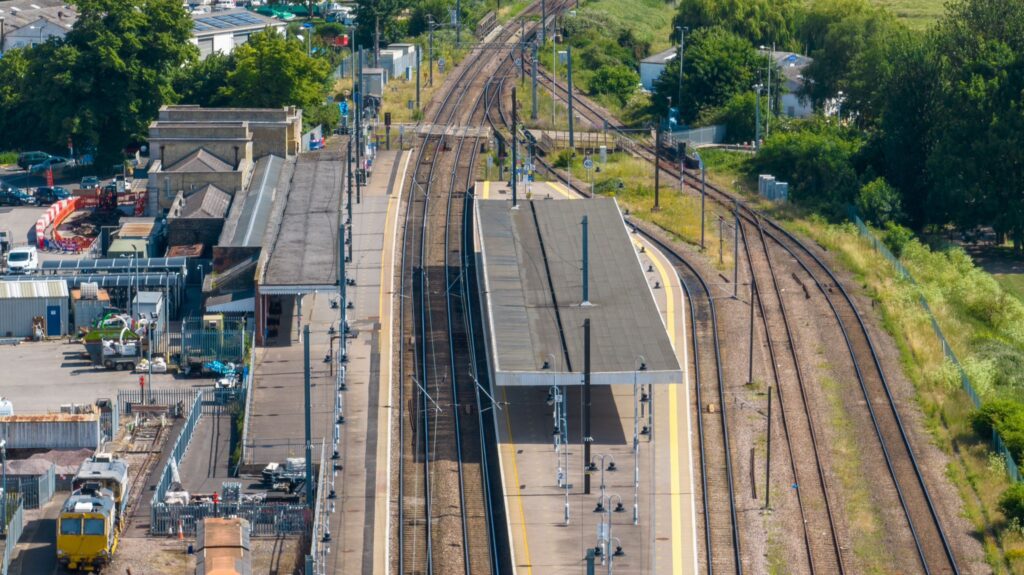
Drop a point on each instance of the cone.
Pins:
(181, 532)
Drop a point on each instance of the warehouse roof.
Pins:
(208, 202)
(33, 289)
(532, 257)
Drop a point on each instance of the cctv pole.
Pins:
(309, 442)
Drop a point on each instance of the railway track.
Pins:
(934, 553)
(445, 522)
(812, 489)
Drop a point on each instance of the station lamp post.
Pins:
(639, 364)
(605, 537)
(593, 467)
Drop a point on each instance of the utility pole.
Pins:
(757, 116)
(682, 48)
(586, 264)
(768, 458)
(514, 146)
(522, 49)
(543, 21)
(376, 39)
(587, 439)
(430, 22)
(533, 107)
(310, 501)
(657, 167)
(703, 195)
(458, 22)
(572, 139)
(342, 296)
(418, 58)
(750, 355)
(736, 249)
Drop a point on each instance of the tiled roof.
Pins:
(209, 202)
(200, 161)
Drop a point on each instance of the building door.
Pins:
(53, 327)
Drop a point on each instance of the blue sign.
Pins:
(343, 108)
(588, 164)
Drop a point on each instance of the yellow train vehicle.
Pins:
(91, 518)
(87, 530)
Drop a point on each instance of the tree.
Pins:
(200, 82)
(761, 22)
(848, 45)
(424, 12)
(371, 15)
(271, 71)
(618, 81)
(979, 129)
(718, 64)
(105, 82)
(1011, 503)
(737, 115)
(878, 202)
(817, 159)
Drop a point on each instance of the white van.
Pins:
(22, 260)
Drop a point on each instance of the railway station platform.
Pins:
(501, 190)
(643, 427)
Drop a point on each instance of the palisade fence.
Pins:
(34, 490)
(16, 512)
(998, 445)
(316, 560)
(247, 386)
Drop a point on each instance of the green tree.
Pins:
(378, 17)
(423, 12)
(271, 71)
(113, 71)
(201, 81)
(617, 81)
(847, 41)
(979, 130)
(817, 159)
(878, 202)
(1011, 502)
(737, 115)
(758, 21)
(13, 71)
(717, 65)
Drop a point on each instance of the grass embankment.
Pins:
(631, 182)
(982, 321)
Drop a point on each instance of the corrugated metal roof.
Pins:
(33, 289)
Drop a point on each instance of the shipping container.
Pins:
(52, 431)
(24, 301)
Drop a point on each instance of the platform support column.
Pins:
(586, 263)
(587, 438)
(310, 502)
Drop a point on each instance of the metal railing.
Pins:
(247, 385)
(180, 447)
(319, 548)
(998, 445)
(14, 528)
(126, 397)
(265, 519)
(34, 490)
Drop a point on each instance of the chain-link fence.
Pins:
(998, 445)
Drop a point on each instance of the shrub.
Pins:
(879, 202)
(563, 159)
(896, 238)
(618, 81)
(1011, 503)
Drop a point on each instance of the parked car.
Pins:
(90, 183)
(26, 159)
(14, 197)
(56, 163)
(22, 260)
(46, 195)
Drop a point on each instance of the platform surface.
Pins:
(532, 268)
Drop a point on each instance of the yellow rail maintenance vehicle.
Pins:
(91, 519)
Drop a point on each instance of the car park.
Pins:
(48, 195)
(26, 159)
(22, 259)
(55, 163)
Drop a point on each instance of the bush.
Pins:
(618, 81)
(896, 237)
(563, 159)
(1011, 503)
(609, 186)
(879, 202)
(8, 158)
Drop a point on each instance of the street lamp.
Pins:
(771, 59)
(605, 537)
(592, 467)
